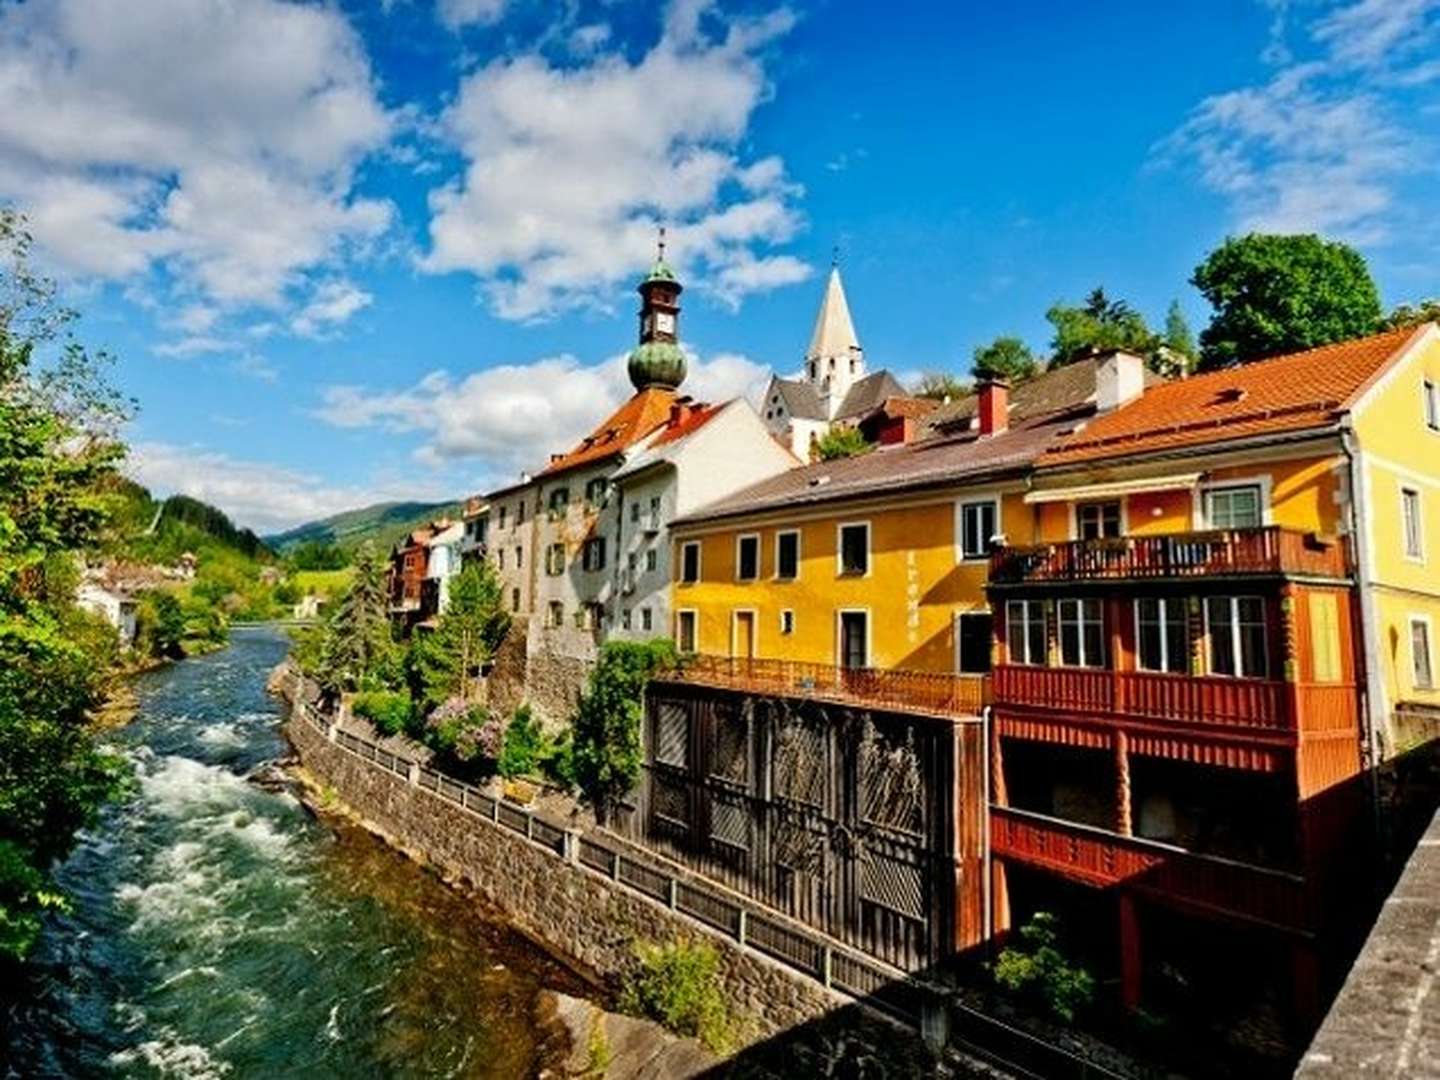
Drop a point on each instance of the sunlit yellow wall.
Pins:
(915, 587)
(1400, 451)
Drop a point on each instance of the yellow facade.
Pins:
(916, 585)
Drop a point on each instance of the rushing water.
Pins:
(219, 930)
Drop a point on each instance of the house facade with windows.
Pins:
(1201, 653)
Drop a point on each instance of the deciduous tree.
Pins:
(1004, 358)
(1098, 325)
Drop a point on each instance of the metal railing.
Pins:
(906, 691)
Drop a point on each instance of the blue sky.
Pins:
(357, 251)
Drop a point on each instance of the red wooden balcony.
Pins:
(1104, 859)
(1193, 699)
(907, 691)
(1268, 550)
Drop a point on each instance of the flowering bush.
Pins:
(464, 732)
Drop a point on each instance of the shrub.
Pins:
(1036, 968)
(522, 746)
(678, 986)
(840, 442)
(388, 710)
(607, 722)
(557, 761)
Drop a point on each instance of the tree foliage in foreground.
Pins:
(59, 449)
(606, 749)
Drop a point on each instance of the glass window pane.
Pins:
(1015, 632)
(1177, 637)
(1420, 654)
(1221, 630)
(1035, 632)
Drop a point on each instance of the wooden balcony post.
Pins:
(1123, 818)
(998, 793)
(999, 898)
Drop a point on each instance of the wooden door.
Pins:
(742, 642)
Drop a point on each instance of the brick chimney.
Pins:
(1119, 380)
(994, 406)
(681, 409)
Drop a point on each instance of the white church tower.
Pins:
(834, 362)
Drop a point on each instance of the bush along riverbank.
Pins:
(596, 900)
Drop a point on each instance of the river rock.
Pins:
(620, 1047)
(275, 775)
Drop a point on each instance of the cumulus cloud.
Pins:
(218, 142)
(460, 13)
(333, 303)
(260, 495)
(570, 168)
(513, 416)
(1325, 144)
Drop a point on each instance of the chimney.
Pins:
(681, 409)
(1119, 380)
(994, 406)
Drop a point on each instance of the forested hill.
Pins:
(158, 531)
(383, 523)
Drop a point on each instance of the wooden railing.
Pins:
(1267, 550)
(1100, 858)
(909, 691)
(1194, 699)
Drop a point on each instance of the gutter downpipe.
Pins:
(1369, 628)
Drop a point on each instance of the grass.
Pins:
(323, 582)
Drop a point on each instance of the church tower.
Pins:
(834, 362)
(658, 360)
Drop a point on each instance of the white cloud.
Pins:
(216, 141)
(195, 345)
(570, 168)
(263, 496)
(460, 13)
(513, 416)
(1324, 145)
(333, 303)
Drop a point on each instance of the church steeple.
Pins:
(658, 359)
(834, 360)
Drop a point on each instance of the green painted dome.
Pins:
(660, 272)
(657, 363)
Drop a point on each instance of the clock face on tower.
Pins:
(664, 322)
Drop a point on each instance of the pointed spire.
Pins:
(834, 334)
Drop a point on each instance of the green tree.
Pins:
(1036, 967)
(58, 455)
(1281, 294)
(1004, 358)
(1099, 325)
(445, 661)
(1177, 352)
(840, 442)
(606, 749)
(359, 643)
(167, 635)
(940, 386)
(1410, 315)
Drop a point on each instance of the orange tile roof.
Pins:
(697, 417)
(643, 413)
(1291, 393)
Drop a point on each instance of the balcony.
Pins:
(1194, 699)
(1104, 859)
(1267, 550)
(935, 693)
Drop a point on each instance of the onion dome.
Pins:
(657, 363)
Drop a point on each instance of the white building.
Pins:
(833, 387)
(116, 608)
(442, 563)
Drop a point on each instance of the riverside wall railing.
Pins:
(933, 1011)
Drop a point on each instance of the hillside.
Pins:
(383, 523)
(153, 530)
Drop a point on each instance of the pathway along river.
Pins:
(220, 930)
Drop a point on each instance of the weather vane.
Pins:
(661, 243)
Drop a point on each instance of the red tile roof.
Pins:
(696, 417)
(643, 413)
(1268, 397)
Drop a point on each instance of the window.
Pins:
(555, 560)
(1162, 630)
(973, 632)
(977, 526)
(787, 555)
(592, 555)
(559, 500)
(654, 511)
(1432, 405)
(690, 562)
(501, 521)
(747, 557)
(854, 639)
(1410, 516)
(520, 513)
(1025, 631)
(625, 619)
(685, 631)
(854, 554)
(519, 557)
(1096, 520)
(1236, 627)
(595, 491)
(1420, 666)
(1324, 637)
(645, 623)
(787, 621)
(514, 599)
(1082, 633)
(557, 613)
(652, 559)
(500, 558)
(1235, 507)
(634, 513)
(631, 561)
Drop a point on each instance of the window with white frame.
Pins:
(787, 555)
(1411, 523)
(1096, 520)
(625, 619)
(685, 631)
(646, 619)
(1025, 631)
(652, 559)
(1082, 632)
(978, 523)
(855, 549)
(787, 621)
(1238, 506)
(1421, 668)
(747, 557)
(555, 560)
(690, 562)
(557, 613)
(1238, 637)
(1431, 394)
(1162, 632)
(634, 513)
(655, 511)
(592, 555)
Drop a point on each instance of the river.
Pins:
(220, 930)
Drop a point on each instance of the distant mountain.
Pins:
(159, 530)
(383, 523)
